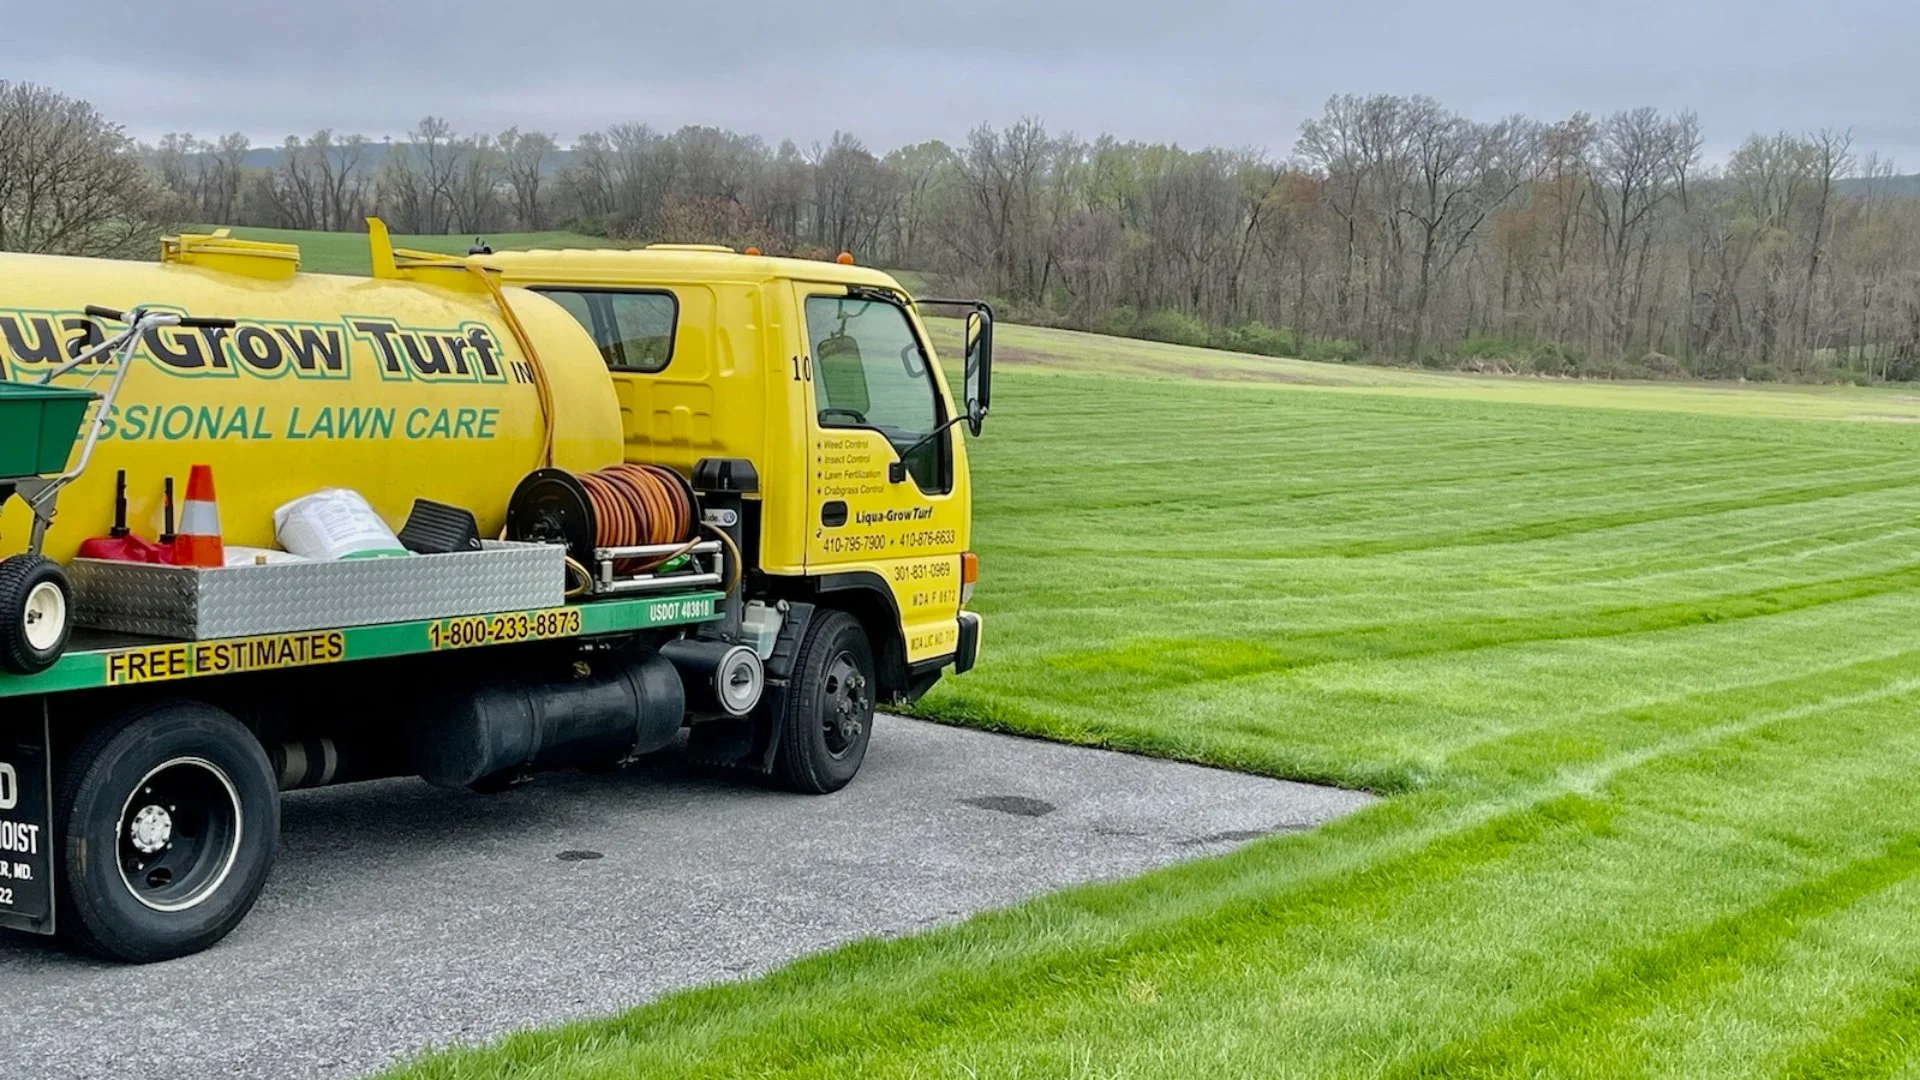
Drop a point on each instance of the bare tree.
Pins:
(1639, 158)
(525, 156)
(919, 173)
(852, 195)
(228, 161)
(473, 194)
(440, 154)
(1460, 173)
(295, 188)
(1337, 144)
(1402, 229)
(340, 178)
(70, 182)
(1829, 158)
(404, 197)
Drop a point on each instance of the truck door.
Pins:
(876, 397)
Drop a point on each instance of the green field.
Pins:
(346, 253)
(1640, 667)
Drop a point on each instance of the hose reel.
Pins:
(622, 527)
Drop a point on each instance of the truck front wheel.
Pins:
(829, 709)
(168, 822)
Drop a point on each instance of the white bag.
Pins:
(253, 556)
(334, 524)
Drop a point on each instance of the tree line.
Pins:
(1397, 229)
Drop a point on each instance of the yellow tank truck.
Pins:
(646, 492)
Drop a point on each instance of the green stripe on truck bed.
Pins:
(164, 661)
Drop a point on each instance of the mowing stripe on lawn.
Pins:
(1645, 682)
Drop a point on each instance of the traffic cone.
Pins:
(198, 543)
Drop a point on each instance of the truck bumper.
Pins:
(967, 649)
(922, 676)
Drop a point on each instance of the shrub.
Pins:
(1257, 338)
(1495, 347)
(1903, 368)
(1172, 327)
(1612, 369)
(1574, 360)
(1027, 313)
(1334, 351)
(1118, 322)
(1547, 363)
(1762, 373)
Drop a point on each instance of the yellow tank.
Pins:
(407, 385)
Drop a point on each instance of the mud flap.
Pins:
(26, 818)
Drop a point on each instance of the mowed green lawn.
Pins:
(1639, 666)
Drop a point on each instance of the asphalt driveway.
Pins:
(402, 917)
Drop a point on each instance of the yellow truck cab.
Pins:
(812, 390)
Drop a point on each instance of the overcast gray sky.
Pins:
(1230, 72)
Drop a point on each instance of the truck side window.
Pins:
(633, 329)
(871, 372)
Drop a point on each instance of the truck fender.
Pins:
(750, 742)
(865, 595)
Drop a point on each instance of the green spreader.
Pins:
(38, 425)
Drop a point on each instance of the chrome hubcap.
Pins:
(152, 829)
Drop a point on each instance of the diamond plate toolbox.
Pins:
(192, 604)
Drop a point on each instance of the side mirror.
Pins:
(977, 387)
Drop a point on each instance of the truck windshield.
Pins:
(871, 372)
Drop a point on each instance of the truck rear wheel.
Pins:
(828, 718)
(168, 822)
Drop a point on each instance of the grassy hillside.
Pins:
(346, 253)
(1044, 351)
(1637, 663)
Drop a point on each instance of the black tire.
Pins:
(215, 806)
(36, 613)
(828, 718)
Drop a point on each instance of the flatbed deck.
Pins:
(95, 659)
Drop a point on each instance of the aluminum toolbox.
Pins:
(192, 604)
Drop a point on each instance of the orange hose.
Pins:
(638, 505)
